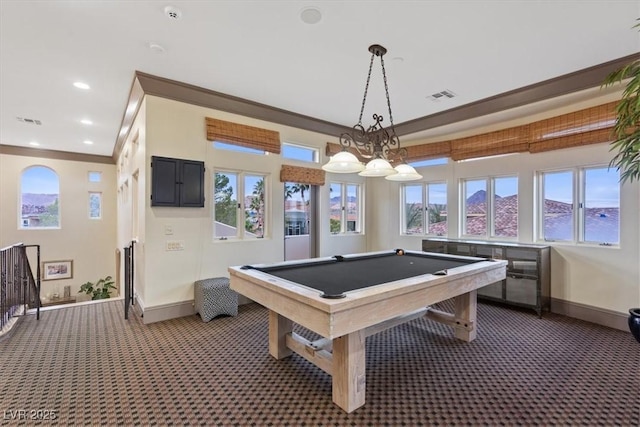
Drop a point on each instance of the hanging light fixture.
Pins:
(377, 143)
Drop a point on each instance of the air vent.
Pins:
(30, 121)
(440, 96)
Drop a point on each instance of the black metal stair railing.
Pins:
(128, 278)
(19, 289)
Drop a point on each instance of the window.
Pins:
(40, 198)
(234, 147)
(95, 176)
(299, 152)
(95, 205)
(424, 204)
(240, 198)
(495, 198)
(345, 208)
(429, 162)
(474, 208)
(595, 194)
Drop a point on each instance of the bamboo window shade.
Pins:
(243, 135)
(589, 126)
(506, 141)
(428, 151)
(414, 152)
(302, 175)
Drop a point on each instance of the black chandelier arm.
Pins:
(358, 140)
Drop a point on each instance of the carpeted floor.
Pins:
(87, 365)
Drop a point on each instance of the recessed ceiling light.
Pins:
(34, 143)
(86, 141)
(81, 85)
(311, 15)
(86, 122)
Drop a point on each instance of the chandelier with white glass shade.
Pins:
(380, 145)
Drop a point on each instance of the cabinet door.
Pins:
(164, 178)
(192, 184)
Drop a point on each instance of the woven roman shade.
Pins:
(589, 126)
(414, 152)
(243, 135)
(302, 175)
(506, 141)
(428, 151)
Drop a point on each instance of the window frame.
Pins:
(21, 222)
(99, 194)
(578, 217)
(315, 152)
(241, 216)
(359, 226)
(490, 208)
(425, 201)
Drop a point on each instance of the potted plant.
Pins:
(627, 128)
(627, 141)
(99, 290)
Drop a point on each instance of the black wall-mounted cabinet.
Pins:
(177, 182)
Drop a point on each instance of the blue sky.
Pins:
(40, 180)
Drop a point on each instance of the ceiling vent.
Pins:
(440, 96)
(30, 121)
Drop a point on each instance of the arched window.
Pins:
(40, 198)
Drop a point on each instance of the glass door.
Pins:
(299, 221)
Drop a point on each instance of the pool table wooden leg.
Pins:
(466, 306)
(279, 327)
(348, 371)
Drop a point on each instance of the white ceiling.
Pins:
(262, 51)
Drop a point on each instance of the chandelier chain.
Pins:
(386, 90)
(366, 89)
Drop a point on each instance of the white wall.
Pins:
(602, 277)
(605, 278)
(175, 129)
(90, 243)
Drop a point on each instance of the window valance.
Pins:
(302, 175)
(243, 135)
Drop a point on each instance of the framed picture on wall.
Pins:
(54, 270)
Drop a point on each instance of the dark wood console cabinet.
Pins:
(528, 279)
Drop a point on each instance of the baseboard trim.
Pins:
(600, 316)
(159, 313)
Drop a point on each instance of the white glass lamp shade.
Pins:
(343, 162)
(405, 173)
(378, 167)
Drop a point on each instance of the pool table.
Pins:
(346, 298)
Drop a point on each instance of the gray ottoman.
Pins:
(213, 298)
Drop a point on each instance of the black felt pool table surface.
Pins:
(334, 277)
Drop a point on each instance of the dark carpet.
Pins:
(86, 365)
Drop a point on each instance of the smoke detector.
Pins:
(172, 13)
(311, 15)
